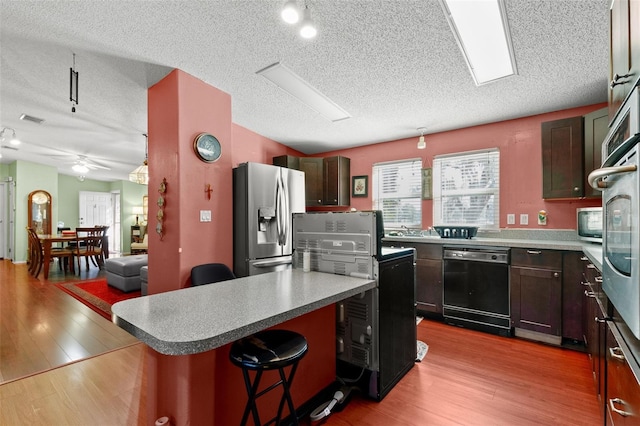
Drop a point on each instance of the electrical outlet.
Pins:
(511, 219)
(205, 215)
(524, 219)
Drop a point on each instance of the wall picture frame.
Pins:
(359, 186)
(427, 184)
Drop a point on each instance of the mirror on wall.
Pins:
(39, 206)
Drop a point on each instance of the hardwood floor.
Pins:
(466, 378)
(41, 327)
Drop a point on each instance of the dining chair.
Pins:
(89, 247)
(210, 273)
(95, 251)
(36, 252)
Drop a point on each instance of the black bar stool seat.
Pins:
(268, 350)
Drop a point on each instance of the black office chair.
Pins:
(210, 273)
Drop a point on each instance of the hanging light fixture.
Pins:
(14, 139)
(308, 28)
(421, 143)
(141, 174)
(290, 12)
(73, 85)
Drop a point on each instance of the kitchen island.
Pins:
(190, 329)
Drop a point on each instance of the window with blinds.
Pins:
(397, 189)
(466, 189)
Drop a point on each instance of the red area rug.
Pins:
(97, 294)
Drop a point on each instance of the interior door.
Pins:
(96, 208)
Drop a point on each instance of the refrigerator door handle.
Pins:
(285, 212)
(269, 263)
(279, 208)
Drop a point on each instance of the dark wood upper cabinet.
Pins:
(313, 168)
(326, 179)
(562, 158)
(596, 126)
(624, 62)
(336, 181)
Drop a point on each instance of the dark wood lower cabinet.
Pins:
(429, 285)
(623, 385)
(536, 297)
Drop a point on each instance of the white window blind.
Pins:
(466, 189)
(397, 190)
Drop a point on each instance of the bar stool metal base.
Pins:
(268, 350)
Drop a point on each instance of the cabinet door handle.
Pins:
(598, 279)
(596, 319)
(616, 353)
(556, 275)
(591, 266)
(589, 293)
(534, 252)
(585, 283)
(617, 79)
(584, 258)
(613, 408)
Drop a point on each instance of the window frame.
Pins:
(414, 199)
(440, 193)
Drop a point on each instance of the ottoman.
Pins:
(123, 273)
(144, 279)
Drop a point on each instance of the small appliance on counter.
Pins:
(375, 330)
(589, 224)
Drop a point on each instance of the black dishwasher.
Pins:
(476, 288)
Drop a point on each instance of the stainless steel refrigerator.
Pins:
(264, 199)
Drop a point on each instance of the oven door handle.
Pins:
(596, 176)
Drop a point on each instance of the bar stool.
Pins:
(268, 350)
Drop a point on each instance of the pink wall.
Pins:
(185, 387)
(519, 142)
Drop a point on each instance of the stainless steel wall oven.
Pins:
(619, 180)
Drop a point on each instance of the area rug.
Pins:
(422, 350)
(97, 294)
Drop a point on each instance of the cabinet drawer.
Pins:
(623, 388)
(549, 259)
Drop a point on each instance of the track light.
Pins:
(421, 143)
(308, 28)
(14, 139)
(290, 12)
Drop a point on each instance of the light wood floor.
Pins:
(467, 377)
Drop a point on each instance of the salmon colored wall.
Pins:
(250, 146)
(519, 142)
(196, 389)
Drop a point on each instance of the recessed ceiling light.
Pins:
(482, 32)
(293, 84)
(290, 12)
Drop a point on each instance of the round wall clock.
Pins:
(207, 147)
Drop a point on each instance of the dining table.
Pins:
(47, 241)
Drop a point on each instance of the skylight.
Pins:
(482, 32)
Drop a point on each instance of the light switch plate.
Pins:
(511, 219)
(524, 219)
(205, 215)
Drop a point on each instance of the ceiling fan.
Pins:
(82, 164)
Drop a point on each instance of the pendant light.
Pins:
(141, 174)
(421, 143)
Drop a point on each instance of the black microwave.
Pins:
(589, 224)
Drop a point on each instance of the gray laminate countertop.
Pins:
(594, 253)
(198, 319)
(497, 242)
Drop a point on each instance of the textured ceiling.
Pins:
(392, 64)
